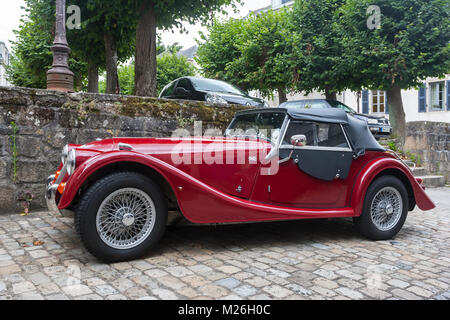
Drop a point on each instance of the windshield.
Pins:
(216, 86)
(264, 125)
(337, 104)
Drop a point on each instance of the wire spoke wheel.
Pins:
(386, 208)
(126, 218)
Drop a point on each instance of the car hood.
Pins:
(368, 116)
(239, 99)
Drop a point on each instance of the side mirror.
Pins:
(181, 92)
(298, 140)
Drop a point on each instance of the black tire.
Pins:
(90, 202)
(365, 223)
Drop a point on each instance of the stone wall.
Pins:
(45, 121)
(431, 142)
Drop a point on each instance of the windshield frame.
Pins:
(276, 144)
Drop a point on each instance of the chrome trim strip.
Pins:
(285, 146)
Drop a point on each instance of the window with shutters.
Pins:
(437, 92)
(378, 101)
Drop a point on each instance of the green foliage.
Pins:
(317, 47)
(392, 146)
(254, 53)
(265, 53)
(220, 49)
(170, 67)
(31, 50)
(413, 42)
(172, 13)
(32, 56)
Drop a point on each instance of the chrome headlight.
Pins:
(372, 121)
(71, 162)
(215, 99)
(65, 154)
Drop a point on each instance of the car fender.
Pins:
(102, 160)
(375, 168)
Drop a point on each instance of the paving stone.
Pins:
(48, 288)
(228, 269)
(179, 271)
(277, 291)
(420, 291)
(105, 290)
(213, 291)
(23, 287)
(245, 290)
(155, 273)
(76, 290)
(229, 283)
(352, 294)
(165, 294)
(398, 283)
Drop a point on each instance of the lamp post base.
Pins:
(60, 81)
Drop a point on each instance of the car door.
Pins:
(315, 174)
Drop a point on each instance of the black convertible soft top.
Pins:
(357, 130)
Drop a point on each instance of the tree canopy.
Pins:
(317, 47)
(254, 54)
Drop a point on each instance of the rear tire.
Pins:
(121, 217)
(385, 209)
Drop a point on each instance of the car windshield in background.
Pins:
(337, 104)
(215, 86)
(265, 125)
(307, 104)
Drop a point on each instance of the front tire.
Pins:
(385, 209)
(121, 217)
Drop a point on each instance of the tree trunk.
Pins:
(282, 97)
(112, 77)
(396, 113)
(358, 101)
(330, 95)
(145, 65)
(92, 77)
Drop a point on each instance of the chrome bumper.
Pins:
(50, 198)
(50, 195)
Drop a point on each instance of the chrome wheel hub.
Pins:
(386, 208)
(126, 218)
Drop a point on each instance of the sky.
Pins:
(11, 13)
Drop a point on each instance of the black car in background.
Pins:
(209, 90)
(379, 126)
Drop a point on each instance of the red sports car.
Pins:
(271, 165)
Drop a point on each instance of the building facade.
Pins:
(4, 61)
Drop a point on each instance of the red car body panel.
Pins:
(208, 193)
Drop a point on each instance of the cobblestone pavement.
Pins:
(42, 258)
